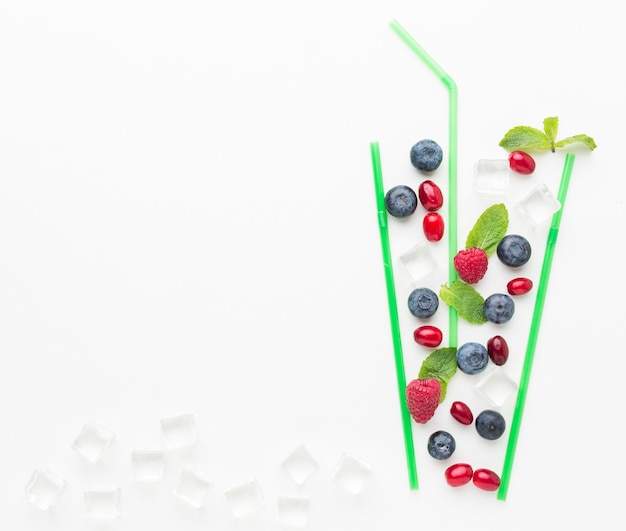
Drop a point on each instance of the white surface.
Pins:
(187, 225)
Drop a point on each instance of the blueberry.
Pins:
(499, 308)
(401, 201)
(423, 302)
(472, 358)
(426, 155)
(441, 445)
(513, 250)
(490, 424)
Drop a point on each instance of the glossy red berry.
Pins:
(458, 474)
(521, 162)
(461, 412)
(428, 336)
(430, 195)
(433, 226)
(498, 350)
(486, 479)
(519, 286)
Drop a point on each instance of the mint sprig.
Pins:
(489, 229)
(528, 138)
(440, 364)
(465, 300)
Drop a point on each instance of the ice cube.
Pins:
(147, 464)
(44, 488)
(102, 503)
(351, 473)
(179, 431)
(293, 511)
(496, 386)
(491, 176)
(539, 205)
(245, 499)
(92, 440)
(299, 465)
(192, 487)
(418, 261)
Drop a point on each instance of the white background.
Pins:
(188, 224)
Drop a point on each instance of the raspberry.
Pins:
(422, 398)
(471, 264)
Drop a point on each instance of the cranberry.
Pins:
(430, 195)
(428, 336)
(459, 474)
(521, 162)
(519, 286)
(498, 350)
(433, 226)
(486, 479)
(461, 412)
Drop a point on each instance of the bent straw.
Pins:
(393, 314)
(534, 330)
(452, 162)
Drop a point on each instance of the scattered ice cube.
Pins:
(179, 431)
(539, 205)
(44, 488)
(418, 261)
(192, 487)
(245, 498)
(293, 511)
(102, 503)
(491, 176)
(496, 386)
(351, 473)
(147, 464)
(92, 441)
(299, 465)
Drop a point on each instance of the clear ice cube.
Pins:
(293, 511)
(192, 487)
(496, 386)
(92, 441)
(102, 503)
(539, 205)
(351, 473)
(147, 464)
(491, 176)
(418, 261)
(179, 431)
(299, 465)
(245, 499)
(44, 488)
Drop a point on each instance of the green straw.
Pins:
(393, 314)
(452, 163)
(534, 329)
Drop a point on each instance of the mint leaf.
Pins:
(465, 300)
(584, 139)
(440, 364)
(525, 138)
(489, 229)
(551, 128)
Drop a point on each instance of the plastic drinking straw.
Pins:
(393, 315)
(452, 163)
(534, 330)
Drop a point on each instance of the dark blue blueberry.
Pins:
(441, 445)
(401, 201)
(426, 155)
(490, 424)
(513, 250)
(472, 358)
(499, 308)
(423, 302)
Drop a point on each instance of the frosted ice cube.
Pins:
(102, 503)
(245, 499)
(491, 176)
(293, 511)
(418, 261)
(192, 487)
(539, 205)
(179, 431)
(147, 464)
(299, 465)
(496, 386)
(44, 488)
(351, 473)
(92, 441)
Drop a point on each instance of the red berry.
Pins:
(461, 412)
(471, 264)
(422, 398)
(428, 336)
(521, 162)
(433, 226)
(498, 350)
(459, 474)
(519, 286)
(430, 195)
(486, 479)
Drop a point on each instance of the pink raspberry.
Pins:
(422, 398)
(471, 264)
